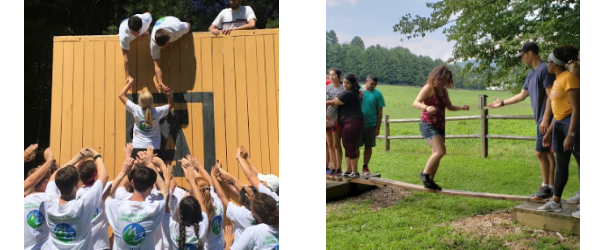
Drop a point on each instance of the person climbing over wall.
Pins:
(146, 130)
(130, 29)
(166, 31)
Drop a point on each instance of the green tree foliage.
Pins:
(46, 19)
(491, 31)
(393, 66)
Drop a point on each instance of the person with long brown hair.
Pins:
(265, 235)
(434, 100)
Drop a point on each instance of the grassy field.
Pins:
(422, 220)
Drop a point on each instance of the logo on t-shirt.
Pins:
(217, 225)
(65, 232)
(159, 21)
(96, 214)
(189, 247)
(35, 219)
(144, 126)
(134, 234)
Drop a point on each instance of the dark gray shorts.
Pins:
(367, 138)
(428, 132)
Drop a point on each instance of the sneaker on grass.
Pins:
(551, 206)
(574, 199)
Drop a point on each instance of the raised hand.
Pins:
(228, 235)
(249, 193)
(48, 156)
(127, 165)
(128, 150)
(243, 152)
(465, 107)
(30, 152)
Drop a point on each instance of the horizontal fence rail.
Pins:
(484, 118)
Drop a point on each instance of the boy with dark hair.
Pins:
(237, 17)
(372, 108)
(36, 229)
(136, 219)
(537, 86)
(130, 29)
(69, 216)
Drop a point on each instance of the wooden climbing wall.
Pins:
(226, 90)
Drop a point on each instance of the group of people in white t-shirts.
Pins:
(72, 206)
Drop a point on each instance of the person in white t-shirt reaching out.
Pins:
(130, 29)
(237, 17)
(69, 217)
(134, 221)
(166, 31)
(146, 131)
(36, 229)
(268, 184)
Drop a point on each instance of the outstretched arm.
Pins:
(334, 102)
(127, 164)
(515, 99)
(252, 177)
(34, 178)
(30, 152)
(127, 86)
(452, 107)
(218, 188)
(158, 73)
(231, 181)
(190, 176)
(246, 157)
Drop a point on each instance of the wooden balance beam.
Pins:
(375, 181)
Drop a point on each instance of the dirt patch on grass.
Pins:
(381, 198)
(500, 224)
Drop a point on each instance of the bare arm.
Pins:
(574, 100)
(30, 152)
(213, 29)
(232, 181)
(126, 64)
(191, 179)
(246, 157)
(158, 72)
(547, 112)
(218, 188)
(252, 177)
(127, 164)
(379, 117)
(167, 91)
(334, 102)
(249, 26)
(515, 99)
(452, 107)
(425, 93)
(34, 178)
(127, 86)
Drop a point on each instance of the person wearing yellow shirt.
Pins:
(564, 129)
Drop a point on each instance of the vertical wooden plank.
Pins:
(219, 100)
(276, 41)
(67, 104)
(386, 122)
(77, 135)
(143, 79)
(272, 104)
(99, 53)
(196, 115)
(175, 84)
(120, 111)
(133, 64)
(262, 104)
(207, 62)
(109, 123)
(241, 93)
(253, 107)
(186, 62)
(56, 107)
(88, 95)
(230, 107)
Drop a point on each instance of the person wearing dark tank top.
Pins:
(434, 100)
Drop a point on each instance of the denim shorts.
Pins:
(428, 132)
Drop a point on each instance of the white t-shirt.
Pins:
(266, 190)
(99, 225)
(144, 136)
(241, 216)
(36, 229)
(214, 239)
(125, 36)
(171, 228)
(172, 25)
(134, 223)
(257, 237)
(70, 224)
(228, 18)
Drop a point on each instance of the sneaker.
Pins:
(574, 199)
(428, 182)
(339, 176)
(543, 193)
(328, 170)
(332, 174)
(576, 214)
(551, 206)
(351, 176)
(366, 171)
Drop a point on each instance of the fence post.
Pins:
(484, 126)
(387, 132)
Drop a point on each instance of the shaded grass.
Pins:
(414, 222)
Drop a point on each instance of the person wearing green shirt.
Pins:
(372, 108)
